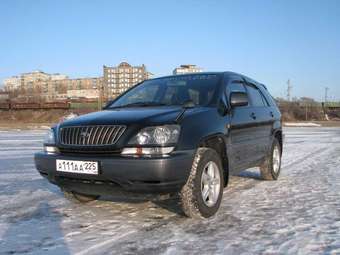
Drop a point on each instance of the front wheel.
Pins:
(270, 169)
(202, 194)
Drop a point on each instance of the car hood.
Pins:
(126, 116)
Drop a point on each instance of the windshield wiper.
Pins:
(186, 105)
(139, 104)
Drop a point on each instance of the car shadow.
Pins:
(250, 174)
(169, 202)
(33, 232)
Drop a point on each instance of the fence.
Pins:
(34, 105)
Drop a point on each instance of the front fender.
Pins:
(197, 126)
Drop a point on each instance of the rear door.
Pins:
(263, 122)
(242, 130)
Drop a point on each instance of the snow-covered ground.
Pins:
(299, 214)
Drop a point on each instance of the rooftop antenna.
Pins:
(289, 90)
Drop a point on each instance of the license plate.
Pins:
(76, 166)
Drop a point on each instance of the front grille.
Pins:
(85, 151)
(91, 135)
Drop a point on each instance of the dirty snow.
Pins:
(299, 214)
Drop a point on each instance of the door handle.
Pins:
(272, 114)
(253, 115)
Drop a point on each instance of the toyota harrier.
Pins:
(182, 134)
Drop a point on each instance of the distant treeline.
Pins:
(308, 109)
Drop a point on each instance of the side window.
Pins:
(256, 98)
(271, 101)
(264, 99)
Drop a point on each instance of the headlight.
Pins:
(49, 138)
(160, 135)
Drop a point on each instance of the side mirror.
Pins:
(238, 99)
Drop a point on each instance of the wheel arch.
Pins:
(218, 143)
(279, 136)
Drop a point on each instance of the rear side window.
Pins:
(271, 101)
(256, 97)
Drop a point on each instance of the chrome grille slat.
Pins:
(105, 129)
(73, 132)
(99, 135)
(94, 135)
(67, 136)
(109, 135)
(84, 138)
(77, 136)
(80, 137)
(89, 137)
(116, 134)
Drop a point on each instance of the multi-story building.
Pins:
(119, 78)
(72, 88)
(35, 76)
(46, 86)
(183, 69)
(12, 83)
(32, 81)
(4, 96)
(84, 87)
(58, 76)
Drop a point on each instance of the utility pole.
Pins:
(326, 95)
(289, 90)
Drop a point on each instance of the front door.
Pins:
(242, 131)
(264, 123)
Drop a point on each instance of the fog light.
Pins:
(139, 151)
(51, 149)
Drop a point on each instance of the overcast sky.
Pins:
(270, 41)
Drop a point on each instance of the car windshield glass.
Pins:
(176, 90)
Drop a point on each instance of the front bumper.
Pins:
(150, 175)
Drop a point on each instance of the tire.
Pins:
(83, 198)
(201, 181)
(270, 169)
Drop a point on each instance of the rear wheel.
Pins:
(83, 198)
(201, 195)
(270, 169)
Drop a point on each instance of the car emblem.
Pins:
(84, 135)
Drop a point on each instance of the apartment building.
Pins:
(53, 86)
(72, 88)
(31, 81)
(39, 84)
(84, 87)
(12, 83)
(118, 79)
(184, 69)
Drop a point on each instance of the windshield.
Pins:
(198, 89)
